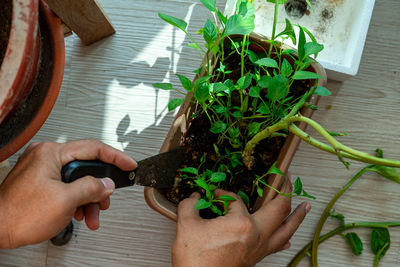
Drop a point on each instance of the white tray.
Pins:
(340, 25)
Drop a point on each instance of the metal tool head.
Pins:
(160, 170)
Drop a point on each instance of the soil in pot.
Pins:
(5, 26)
(199, 143)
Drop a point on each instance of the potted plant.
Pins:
(31, 72)
(242, 117)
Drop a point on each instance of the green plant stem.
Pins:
(326, 213)
(335, 148)
(274, 26)
(306, 249)
(378, 255)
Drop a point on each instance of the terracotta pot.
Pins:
(19, 66)
(18, 128)
(157, 201)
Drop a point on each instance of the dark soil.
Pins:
(5, 26)
(199, 141)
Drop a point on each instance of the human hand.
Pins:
(35, 204)
(238, 238)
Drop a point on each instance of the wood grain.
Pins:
(107, 95)
(85, 17)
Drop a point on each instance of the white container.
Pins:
(340, 25)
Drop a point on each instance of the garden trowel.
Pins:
(157, 171)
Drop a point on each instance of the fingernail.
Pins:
(194, 194)
(307, 207)
(108, 183)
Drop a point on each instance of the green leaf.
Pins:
(263, 109)
(289, 31)
(305, 194)
(337, 216)
(244, 82)
(279, 1)
(298, 186)
(336, 133)
(217, 177)
(190, 170)
(220, 87)
(174, 103)
(302, 42)
(278, 88)
(264, 81)
(216, 210)
(274, 170)
(245, 198)
(201, 80)
(186, 82)
(255, 91)
(322, 91)
(181, 24)
(252, 56)
(286, 68)
(380, 241)
(245, 8)
(221, 17)
(237, 24)
(312, 48)
(379, 153)
(354, 242)
(202, 204)
(210, 32)
(218, 127)
(220, 109)
(227, 198)
(267, 62)
(202, 184)
(237, 114)
(260, 191)
(202, 92)
(163, 86)
(389, 173)
(210, 4)
(306, 75)
(198, 71)
(254, 127)
(194, 45)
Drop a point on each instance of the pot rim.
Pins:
(22, 56)
(57, 41)
(160, 204)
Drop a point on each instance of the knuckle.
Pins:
(244, 224)
(282, 208)
(93, 186)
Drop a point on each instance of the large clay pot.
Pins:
(30, 75)
(156, 199)
(19, 67)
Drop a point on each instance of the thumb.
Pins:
(88, 189)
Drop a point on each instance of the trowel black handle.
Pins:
(80, 168)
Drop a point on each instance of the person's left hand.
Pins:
(35, 204)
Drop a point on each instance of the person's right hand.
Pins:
(35, 204)
(237, 239)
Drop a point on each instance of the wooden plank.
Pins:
(85, 17)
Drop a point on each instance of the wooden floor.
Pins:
(107, 95)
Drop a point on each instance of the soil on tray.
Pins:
(199, 141)
(5, 26)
